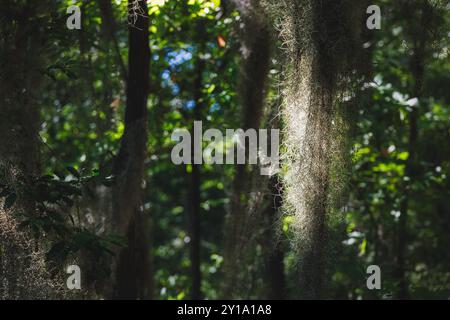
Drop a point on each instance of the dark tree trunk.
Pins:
(109, 30)
(194, 227)
(133, 274)
(195, 176)
(417, 68)
(24, 273)
(274, 252)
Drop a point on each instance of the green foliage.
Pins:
(82, 106)
(56, 219)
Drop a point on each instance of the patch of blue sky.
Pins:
(176, 58)
(167, 82)
(165, 75)
(175, 89)
(190, 104)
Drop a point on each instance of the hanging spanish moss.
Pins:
(23, 269)
(321, 39)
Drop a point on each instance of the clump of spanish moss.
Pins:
(23, 269)
(322, 42)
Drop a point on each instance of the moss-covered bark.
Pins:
(23, 269)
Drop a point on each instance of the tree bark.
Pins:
(417, 69)
(24, 273)
(195, 176)
(109, 29)
(274, 253)
(133, 273)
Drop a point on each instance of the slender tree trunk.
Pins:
(417, 67)
(273, 249)
(195, 232)
(274, 253)
(195, 176)
(133, 274)
(109, 29)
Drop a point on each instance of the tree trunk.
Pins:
(133, 274)
(417, 67)
(195, 176)
(273, 249)
(23, 270)
(195, 232)
(109, 29)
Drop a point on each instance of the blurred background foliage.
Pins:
(82, 123)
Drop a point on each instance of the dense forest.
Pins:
(224, 149)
